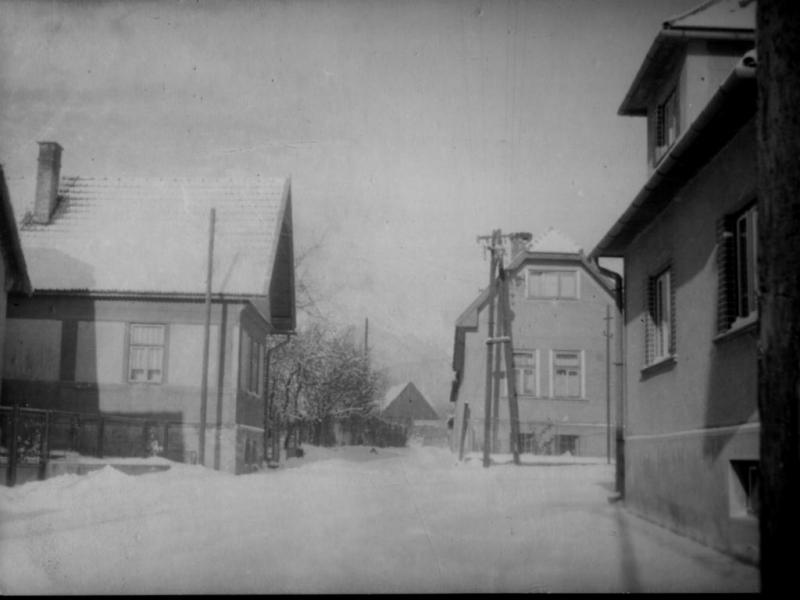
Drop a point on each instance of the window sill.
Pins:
(739, 327)
(662, 364)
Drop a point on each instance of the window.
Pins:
(744, 489)
(667, 128)
(660, 318)
(250, 368)
(737, 262)
(146, 353)
(566, 444)
(526, 379)
(552, 284)
(567, 374)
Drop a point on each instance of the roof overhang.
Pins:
(729, 109)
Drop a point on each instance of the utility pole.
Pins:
(206, 337)
(608, 336)
(498, 286)
(511, 380)
(778, 146)
(493, 247)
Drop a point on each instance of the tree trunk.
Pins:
(779, 275)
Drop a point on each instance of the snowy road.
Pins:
(346, 520)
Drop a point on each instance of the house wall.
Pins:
(70, 354)
(688, 418)
(3, 302)
(546, 326)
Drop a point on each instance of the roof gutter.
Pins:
(673, 162)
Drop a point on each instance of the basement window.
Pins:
(744, 484)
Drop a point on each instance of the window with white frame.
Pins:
(660, 318)
(737, 264)
(525, 374)
(552, 283)
(567, 374)
(667, 124)
(250, 363)
(146, 343)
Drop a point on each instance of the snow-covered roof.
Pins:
(151, 235)
(553, 241)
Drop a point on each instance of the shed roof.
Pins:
(143, 235)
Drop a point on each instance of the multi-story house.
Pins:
(561, 304)
(121, 306)
(688, 240)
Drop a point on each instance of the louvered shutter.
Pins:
(649, 323)
(726, 274)
(673, 329)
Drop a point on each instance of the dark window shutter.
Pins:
(726, 275)
(673, 329)
(649, 311)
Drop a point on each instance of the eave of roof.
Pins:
(11, 243)
(729, 109)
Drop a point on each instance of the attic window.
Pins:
(667, 125)
(552, 284)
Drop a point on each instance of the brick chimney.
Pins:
(47, 177)
(518, 242)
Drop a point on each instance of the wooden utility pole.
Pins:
(494, 247)
(608, 335)
(498, 286)
(778, 127)
(511, 380)
(206, 338)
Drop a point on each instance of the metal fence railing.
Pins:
(30, 438)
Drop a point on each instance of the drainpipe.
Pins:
(620, 368)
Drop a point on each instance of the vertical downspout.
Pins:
(619, 299)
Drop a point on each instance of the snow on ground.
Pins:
(347, 520)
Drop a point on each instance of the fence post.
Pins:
(165, 445)
(44, 447)
(11, 474)
(100, 435)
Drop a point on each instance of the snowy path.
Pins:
(345, 520)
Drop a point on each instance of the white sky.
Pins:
(408, 128)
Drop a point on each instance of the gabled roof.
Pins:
(409, 403)
(150, 236)
(730, 108)
(726, 20)
(10, 248)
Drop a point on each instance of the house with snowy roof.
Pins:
(560, 302)
(118, 319)
(690, 245)
(404, 402)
